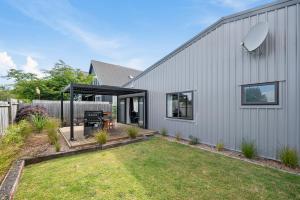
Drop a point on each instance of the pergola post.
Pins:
(118, 108)
(71, 112)
(146, 110)
(62, 108)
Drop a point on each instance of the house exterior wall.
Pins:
(103, 98)
(216, 66)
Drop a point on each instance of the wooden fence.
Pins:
(53, 108)
(8, 110)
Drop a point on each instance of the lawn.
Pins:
(156, 169)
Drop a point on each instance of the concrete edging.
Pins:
(11, 180)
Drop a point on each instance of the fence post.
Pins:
(4, 116)
(9, 111)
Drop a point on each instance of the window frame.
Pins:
(178, 93)
(275, 83)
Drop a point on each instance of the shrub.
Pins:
(16, 133)
(57, 146)
(52, 124)
(25, 128)
(12, 136)
(39, 122)
(11, 144)
(289, 157)
(101, 137)
(53, 137)
(220, 146)
(178, 136)
(193, 140)
(164, 132)
(51, 127)
(132, 132)
(27, 111)
(248, 149)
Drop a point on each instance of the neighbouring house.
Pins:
(109, 74)
(214, 89)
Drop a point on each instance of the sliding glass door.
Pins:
(131, 110)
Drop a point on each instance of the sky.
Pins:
(35, 34)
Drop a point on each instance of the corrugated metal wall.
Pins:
(215, 66)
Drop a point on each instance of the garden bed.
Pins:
(238, 155)
(35, 145)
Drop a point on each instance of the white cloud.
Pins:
(135, 63)
(6, 63)
(62, 17)
(100, 44)
(31, 66)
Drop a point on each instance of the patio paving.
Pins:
(117, 133)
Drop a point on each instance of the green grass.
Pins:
(156, 169)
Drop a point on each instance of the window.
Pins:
(260, 94)
(180, 105)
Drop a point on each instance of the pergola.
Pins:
(73, 89)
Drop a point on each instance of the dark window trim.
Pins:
(181, 118)
(275, 83)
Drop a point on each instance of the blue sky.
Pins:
(36, 33)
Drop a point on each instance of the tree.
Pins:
(5, 94)
(49, 86)
(61, 75)
(26, 89)
(19, 75)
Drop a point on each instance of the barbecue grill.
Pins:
(93, 121)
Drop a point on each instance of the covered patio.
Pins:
(74, 133)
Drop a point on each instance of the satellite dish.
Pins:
(130, 77)
(256, 36)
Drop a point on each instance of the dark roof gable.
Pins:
(113, 75)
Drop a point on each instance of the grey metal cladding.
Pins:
(214, 66)
(240, 15)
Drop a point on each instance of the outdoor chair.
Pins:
(111, 123)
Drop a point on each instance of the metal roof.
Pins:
(221, 21)
(114, 75)
(100, 90)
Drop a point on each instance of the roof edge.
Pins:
(223, 20)
(115, 65)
